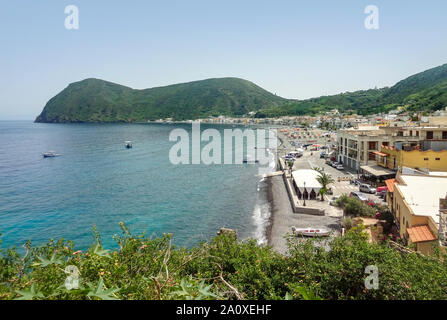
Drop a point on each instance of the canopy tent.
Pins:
(378, 171)
(306, 179)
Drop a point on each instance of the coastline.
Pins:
(273, 196)
(270, 200)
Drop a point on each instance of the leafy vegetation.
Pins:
(425, 91)
(94, 100)
(353, 207)
(324, 180)
(222, 268)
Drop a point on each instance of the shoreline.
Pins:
(272, 198)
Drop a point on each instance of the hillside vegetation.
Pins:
(94, 100)
(424, 91)
(223, 268)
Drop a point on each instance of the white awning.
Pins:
(306, 179)
(378, 171)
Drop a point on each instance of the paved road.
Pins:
(309, 161)
(284, 217)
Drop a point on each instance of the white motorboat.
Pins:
(50, 154)
(311, 232)
(128, 144)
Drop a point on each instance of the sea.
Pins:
(97, 182)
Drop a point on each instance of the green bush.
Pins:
(356, 208)
(222, 268)
(342, 200)
(347, 223)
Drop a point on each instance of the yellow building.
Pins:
(416, 206)
(390, 157)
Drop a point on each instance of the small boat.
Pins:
(128, 144)
(249, 160)
(50, 154)
(311, 232)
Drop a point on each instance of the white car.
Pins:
(367, 189)
(339, 167)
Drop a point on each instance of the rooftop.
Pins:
(420, 234)
(422, 193)
(308, 177)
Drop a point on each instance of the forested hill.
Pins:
(426, 91)
(94, 100)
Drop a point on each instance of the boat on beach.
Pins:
(50, 154)
(311, 232)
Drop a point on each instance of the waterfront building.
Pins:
(430, 153)
(360, 146)
(417, 201)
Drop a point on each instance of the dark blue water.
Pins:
(98, 182)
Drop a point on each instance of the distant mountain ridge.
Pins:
(95, 100)
(424, 91)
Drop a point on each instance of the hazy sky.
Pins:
(296, 49)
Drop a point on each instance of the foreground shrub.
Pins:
(356, 208)
(222, 268)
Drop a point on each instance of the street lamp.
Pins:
(304, 204)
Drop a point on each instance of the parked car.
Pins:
(359, 195)
(340, 167)
(322, 155)
(367, 188)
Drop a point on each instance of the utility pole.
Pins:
(304, 204)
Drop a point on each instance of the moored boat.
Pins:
(50, 154)
(128, 144)
(311, 232)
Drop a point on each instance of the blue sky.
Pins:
(296, 49)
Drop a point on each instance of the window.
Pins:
(444, 135)
(429, 135)
(437, 159)
(425, 159)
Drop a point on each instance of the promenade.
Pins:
(283, 216)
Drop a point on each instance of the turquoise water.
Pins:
(98, 182)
